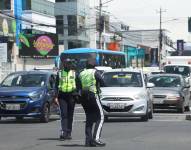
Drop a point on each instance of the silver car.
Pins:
(125, 94)
(170, 91)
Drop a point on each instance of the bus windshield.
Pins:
(100, 57)
(183, 70)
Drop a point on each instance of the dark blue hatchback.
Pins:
(27, 94)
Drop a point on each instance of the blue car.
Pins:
(27, 94)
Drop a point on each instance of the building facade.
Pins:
(73, 23)
(26, 17)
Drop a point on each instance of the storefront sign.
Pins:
(38, 46)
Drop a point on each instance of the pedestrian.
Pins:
(66, 87)
(90, 81)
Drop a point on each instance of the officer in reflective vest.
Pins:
(66, 87)
(90, 80)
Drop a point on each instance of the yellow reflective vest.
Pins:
(87, 77)
(67, 81)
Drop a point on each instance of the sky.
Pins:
(144, 14)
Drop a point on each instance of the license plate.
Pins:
(116, 106)
(12, 106)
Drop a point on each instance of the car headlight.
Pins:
(36, 95)
(173, 97)
(140, 96)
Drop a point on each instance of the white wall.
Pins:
(38, 18)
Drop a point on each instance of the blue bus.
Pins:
(101, 57)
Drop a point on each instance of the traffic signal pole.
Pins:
(100, 31)
(160, 39)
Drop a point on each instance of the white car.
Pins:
(103, 68)
(125, 94)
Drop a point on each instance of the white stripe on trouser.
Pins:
(102, 118)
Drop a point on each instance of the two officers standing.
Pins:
(87, 83)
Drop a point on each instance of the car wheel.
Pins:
(187, 108)
(150, 115)
(181, 109)
(145, 117)
(19, 118)
(45, 116)
(0, 117)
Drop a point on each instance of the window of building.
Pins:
(59, 24)
(72, 25)
(5, 4)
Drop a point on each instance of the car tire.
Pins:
(19, 118)
(145, 117)
(0, 118)
(45, 116)
(187, 108)
(181, 109)
(150, 115)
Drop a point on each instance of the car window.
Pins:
(25, 80)
(166, 81)
(122, 79)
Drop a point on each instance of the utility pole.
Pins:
(160, 38)
(100, 30)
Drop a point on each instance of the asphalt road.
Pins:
(168, 130)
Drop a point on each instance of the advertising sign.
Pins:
(38, 45)
(3, 52)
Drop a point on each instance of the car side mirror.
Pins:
(150, 85)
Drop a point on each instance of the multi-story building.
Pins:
(27, 17)
(73, 23)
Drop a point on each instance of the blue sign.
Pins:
(18, 17)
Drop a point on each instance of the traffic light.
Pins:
(189, 24)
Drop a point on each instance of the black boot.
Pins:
(90, 144)
(68, 136)
(99, 143)
(63, 136)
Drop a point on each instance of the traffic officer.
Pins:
(66, 87)
(90, 79)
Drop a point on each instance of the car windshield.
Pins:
(122, 79)
(165, 81)
(24, 80)
(183, 70)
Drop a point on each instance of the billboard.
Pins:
(38, 45)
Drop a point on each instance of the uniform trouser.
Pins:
(67, 104)
(94, 115)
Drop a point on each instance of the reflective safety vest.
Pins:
(87, 77)
(67, 81)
